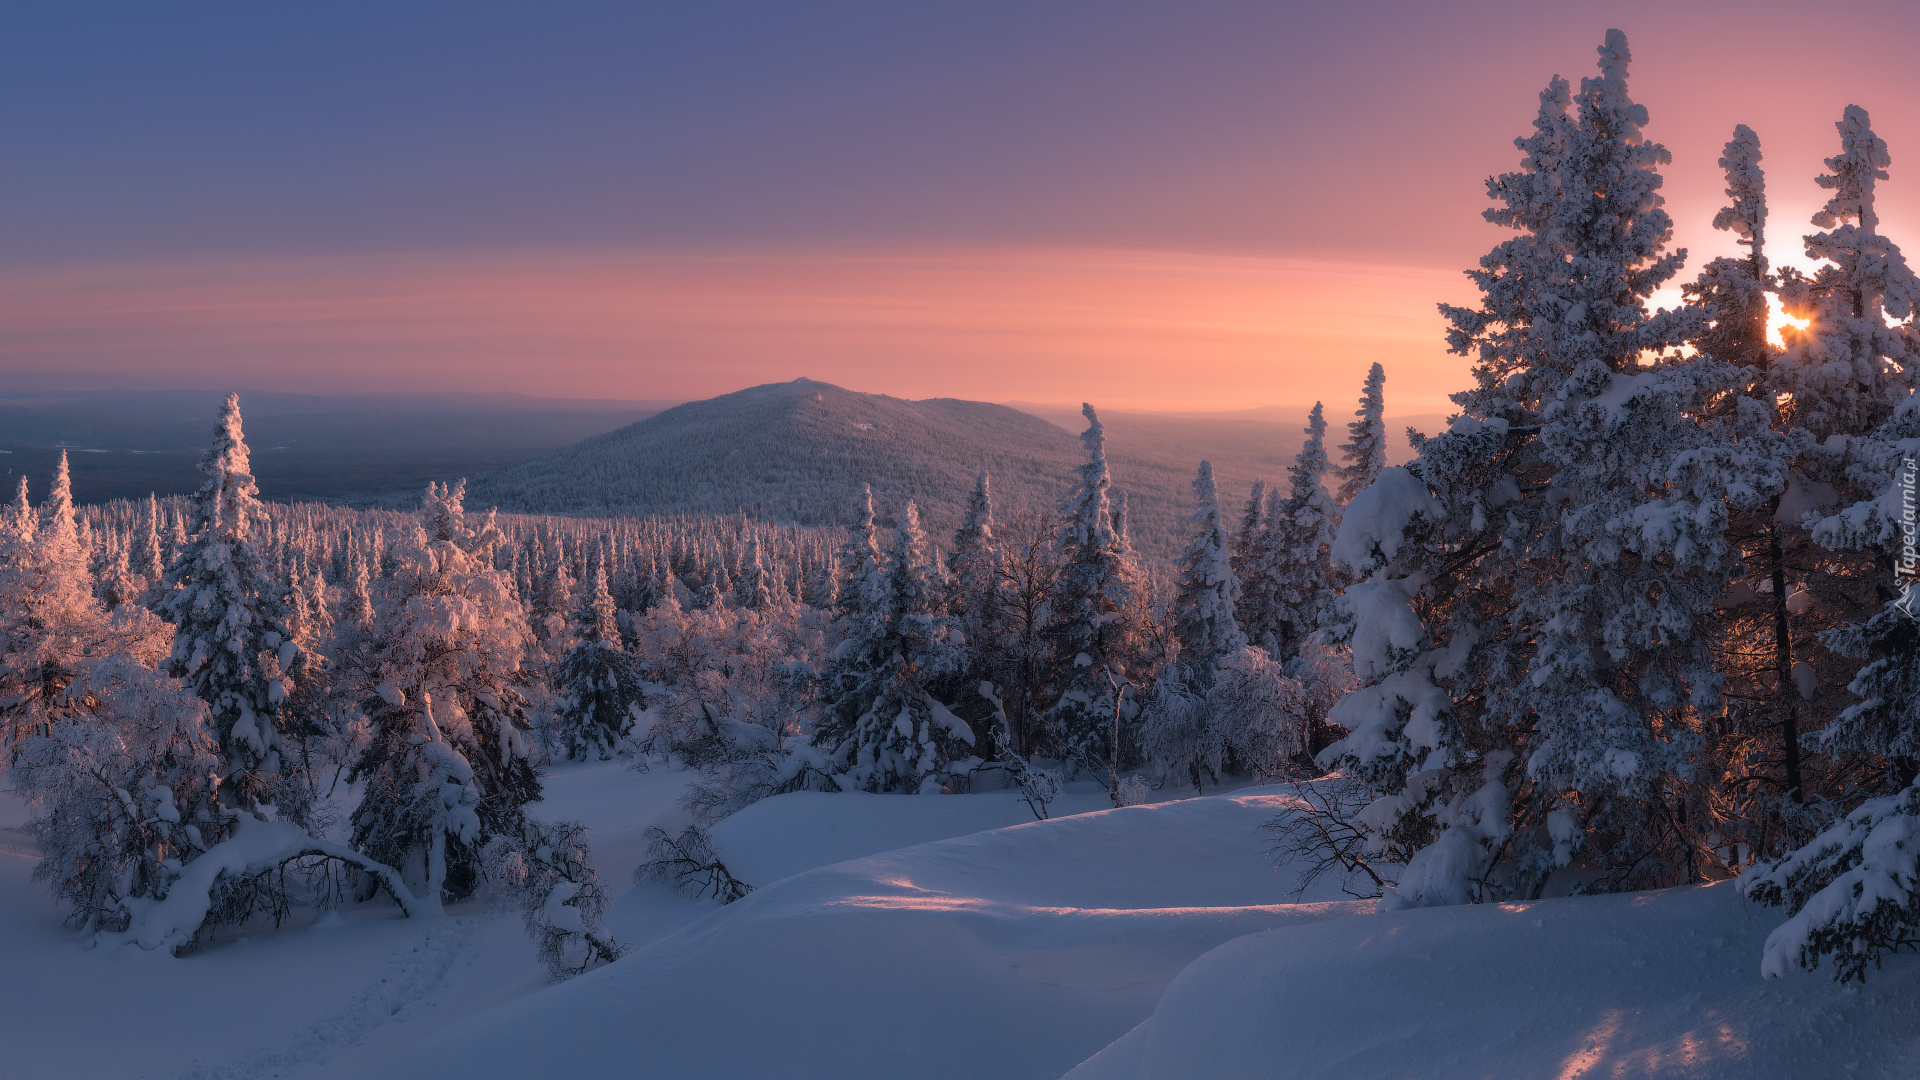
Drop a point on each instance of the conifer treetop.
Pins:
(1365, 452)
(1745, 215)
(1572, 287)
(228, 499)
(1089, 515)
(1862, 160)
(57, 529)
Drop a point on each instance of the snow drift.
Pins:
(1011, 953)
(1661, 984)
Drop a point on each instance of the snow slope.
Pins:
(1011, 953)
(1109, 945)
(310, 999)
(1662, 984)
(779, 837)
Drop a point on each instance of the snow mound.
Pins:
(1662, 984)
(787, 834)
(1011, 953)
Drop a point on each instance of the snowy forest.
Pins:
(1639, 618)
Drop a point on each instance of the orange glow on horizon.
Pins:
(1132, 329)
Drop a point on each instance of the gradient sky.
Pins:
(1192, 205)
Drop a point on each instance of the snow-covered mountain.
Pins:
(799, 451)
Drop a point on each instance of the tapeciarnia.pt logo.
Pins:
(1907, 570)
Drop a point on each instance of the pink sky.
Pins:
(1138, 329)
(1182, 223)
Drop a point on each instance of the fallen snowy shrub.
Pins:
(689, 864)
(547, 872)
(1317, 836)
(741, 762)
(208, 885)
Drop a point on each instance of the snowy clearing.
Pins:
(1011, 953)
(960, 941)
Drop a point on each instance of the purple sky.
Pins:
(1193, 205)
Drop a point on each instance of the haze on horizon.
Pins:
(1204, 207)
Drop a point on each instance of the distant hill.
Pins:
(799, 451)
(126, 443)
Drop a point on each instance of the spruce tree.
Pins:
(599, 684)
(755, 589)
(1365, 451)
(51, 625)
(1089, 635)
(883, 728)
(861, 562)
(1203, 611)
(1178, 734)
(1528, 615)
(148, 559)
(19, 518)
(1288, 587)
(977, 602)
(232, 645)
(1851, 890)
(1247, 536)
(1735, 290)
(450, 764)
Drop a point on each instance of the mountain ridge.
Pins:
(798, 452)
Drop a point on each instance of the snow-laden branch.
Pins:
(254, 848)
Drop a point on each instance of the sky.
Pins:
(1203, 205)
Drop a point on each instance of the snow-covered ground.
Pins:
(907, 936)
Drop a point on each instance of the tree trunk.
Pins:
(1783, 657)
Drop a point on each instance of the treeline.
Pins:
(223, 708)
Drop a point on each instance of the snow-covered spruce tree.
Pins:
(1204, 620)
(51, 626)
(1771, 624)
(860, 560)
(755, 589)
(1735, 290)
(1364, 453)
(148, 559)
(18, 521)
(118, 585)
(450, 764)
(1526, 621)
(1088, 634)
(883, 728)
(1853, 891)
(977, 602)
(553, 599)
(122, 786)
(1177, 732)
(232, 646)
(599, 684)
(546, 871)
(1844, 373)
(1252, 517)
(1288, 591)
(1839, 387)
